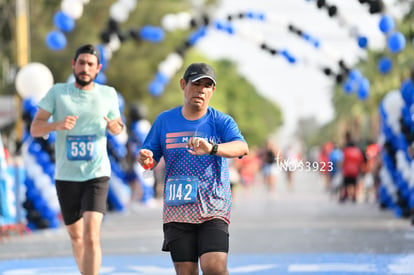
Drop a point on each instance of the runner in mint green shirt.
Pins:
(81, 113)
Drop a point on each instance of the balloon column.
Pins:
(42, 204)
(397, 136)
(138, 130)
(119, 192)
(32, 83)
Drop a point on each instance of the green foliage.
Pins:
(132, 68)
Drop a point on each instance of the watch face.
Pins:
(214, 149)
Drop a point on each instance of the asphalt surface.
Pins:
(296, 231)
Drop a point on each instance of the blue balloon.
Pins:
(407, 91)
(101, 78)
(230, 29)
(396, 42)
(162, 78)
(288, 56)
(52, 137)
(56, 40)
(156, 88)
(355, 75)
(386, 24)
(30, 106)
(406, 115)
(35, 148)
(362, 42)
(348, 86)
(152, 34)
(411, 200)
(43, 158)
(382, 112)
(261, 16)
(102, 56)
(250, 14)
(363, 89)
(121, 102)
(219, 25)
(29, 183)
(384, 65)
(63, 21)
(49, 169)
(195, 36)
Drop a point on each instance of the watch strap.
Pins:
(214, 149)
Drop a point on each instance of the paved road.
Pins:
(303, 231)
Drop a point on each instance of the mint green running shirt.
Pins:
(81, 153)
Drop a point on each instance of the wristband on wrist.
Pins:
(214, 149)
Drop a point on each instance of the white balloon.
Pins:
(118, 12)
(114, 42)
(33, 80)
(73, 8)
(122, 138)
(128, 4)
(169, 22)
(184, 19)
(175, 60)
(107, 52)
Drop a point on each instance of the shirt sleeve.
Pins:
(114, 111)
(229, 129)
(47, 103)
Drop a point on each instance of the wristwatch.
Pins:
(214, 149)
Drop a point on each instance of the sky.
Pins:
(301, 90)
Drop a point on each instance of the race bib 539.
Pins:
(81, 147)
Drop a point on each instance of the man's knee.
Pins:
(214, 263)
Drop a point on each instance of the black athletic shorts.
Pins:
(187, 241)
(76, 197)
(350, 181)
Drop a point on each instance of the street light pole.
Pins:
(22, 59)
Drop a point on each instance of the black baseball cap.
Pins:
(88, 48)
(197, 71)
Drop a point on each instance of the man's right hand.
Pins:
(145, 158)
(67, 124)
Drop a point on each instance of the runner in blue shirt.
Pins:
(195, 141)
(82, 113)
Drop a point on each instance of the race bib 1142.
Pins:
(181, 190)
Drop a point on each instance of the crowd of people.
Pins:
(355, 169)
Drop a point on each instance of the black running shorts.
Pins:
(187, 242)
(76, 197)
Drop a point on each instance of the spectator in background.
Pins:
(351, 169)
(334, 168)
(323, 160)
(293, 159)
(371, 170)
(248, 166)
(269, 170)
